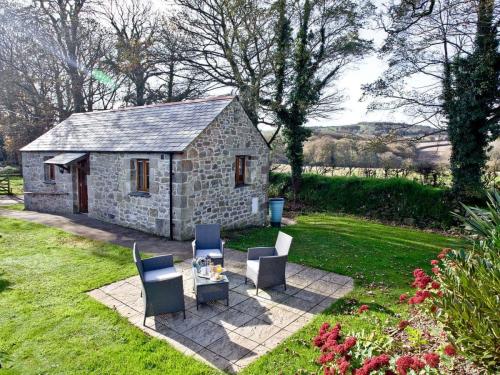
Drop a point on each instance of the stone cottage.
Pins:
(161, 169)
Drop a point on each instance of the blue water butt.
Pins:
(276, 210)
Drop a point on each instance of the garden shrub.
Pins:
(394, 199)
(470, 283)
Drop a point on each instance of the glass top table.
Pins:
(207, 290)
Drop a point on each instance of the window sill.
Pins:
(49, 182)
(241, 186)
(142, 194)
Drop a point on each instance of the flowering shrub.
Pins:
(339, 357)
(461, 293)
(464, 290)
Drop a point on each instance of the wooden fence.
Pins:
(5, 185)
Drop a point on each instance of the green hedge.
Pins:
(393, 199)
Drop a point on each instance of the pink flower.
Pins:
(434, 262)
(436, 270)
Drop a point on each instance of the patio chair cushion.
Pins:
(212, 253)
(161, 274)
(253, 266)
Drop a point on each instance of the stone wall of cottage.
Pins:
(46, 196)
(205, 189)
(112, 195)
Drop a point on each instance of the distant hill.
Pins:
(368, 130)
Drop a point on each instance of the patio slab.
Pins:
(230, 338)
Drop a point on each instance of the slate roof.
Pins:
(169, 127)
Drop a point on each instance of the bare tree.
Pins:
(231, 43)
(181, 80)
(64, 17)
(137, 30)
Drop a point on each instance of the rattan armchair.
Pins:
(266, 266)
(162, 290)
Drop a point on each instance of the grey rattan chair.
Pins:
(207, 242)
(162, 290)
(266, 266)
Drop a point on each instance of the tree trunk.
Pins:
(140, 88)
(294, 134)
(77, 90)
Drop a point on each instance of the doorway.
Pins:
(83, 198)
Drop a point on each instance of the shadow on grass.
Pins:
(4, 284)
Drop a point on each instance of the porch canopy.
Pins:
(66, 159)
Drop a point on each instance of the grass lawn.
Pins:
(48, 325)
(381, 258)
(15, 207)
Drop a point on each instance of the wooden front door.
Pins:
(83, 199)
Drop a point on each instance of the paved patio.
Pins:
(230, 338)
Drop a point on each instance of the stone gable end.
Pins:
(208, 175)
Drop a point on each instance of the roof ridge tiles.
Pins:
(159, 105)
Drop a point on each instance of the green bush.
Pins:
(470, 281)
(393, 199)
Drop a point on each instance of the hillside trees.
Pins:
(447, 51)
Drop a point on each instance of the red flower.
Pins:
(433, 308)
(403, 297)
(434, 262)
(449, 350)
(349, 342)
(420, 296)
(421, 279)
(362, 309)
(432, 359)
(373, 364)
(343, 365)
(403, 324)
(405, 363)
(440, 293)
(435, 285)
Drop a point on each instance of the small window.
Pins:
(49, 171)
(240, 170)
(142, 170)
